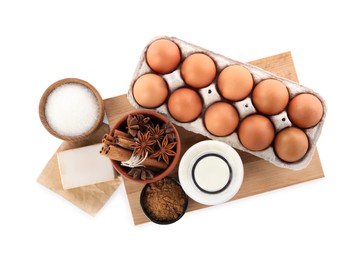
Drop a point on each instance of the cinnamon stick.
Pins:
(120, 154)
(107, 139)
(120, 133)
(120, 140)
(124, 142)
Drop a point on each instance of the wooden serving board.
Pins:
(259, 175)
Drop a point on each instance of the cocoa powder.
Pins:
(164, 200)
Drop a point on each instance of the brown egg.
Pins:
(270, 97)
(221, 119)
(198, 70)
(163, 56)
(305, 110)
(184, 105)
(256, 132)
(235, 82)
(150, 90)
(291, 144)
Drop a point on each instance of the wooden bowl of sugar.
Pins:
(71, 109)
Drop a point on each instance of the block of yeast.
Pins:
(242, 105)
(84, 166)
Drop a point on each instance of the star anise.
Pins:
(143, 144)
(132, 125)
(141, 173)
(142, 121)
(169, 131)
(136, 123)
(165, 150)
(156, 133)
(146, 174)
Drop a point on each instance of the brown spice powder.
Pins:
(164, 200)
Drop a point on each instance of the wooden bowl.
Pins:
(43, 117)
(123, 171)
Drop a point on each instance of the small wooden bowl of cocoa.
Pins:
(163, 202)
(144, 146)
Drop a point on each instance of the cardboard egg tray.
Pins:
(244, 107)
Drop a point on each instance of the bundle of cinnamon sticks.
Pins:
(118, 146)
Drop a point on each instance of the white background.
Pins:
(100, 42)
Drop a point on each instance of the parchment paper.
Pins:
(88, 198)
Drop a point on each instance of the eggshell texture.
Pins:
(256, 132)
(184, 105)
(305, 110)
(235, 82)
(221, 119)
(270, 96)
(150, 90)
(291, 144)
(163, 56)
(198, 70)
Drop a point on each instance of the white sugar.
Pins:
(71, 109)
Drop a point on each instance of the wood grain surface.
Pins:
(259, 175)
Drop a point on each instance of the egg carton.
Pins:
(244, 107)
